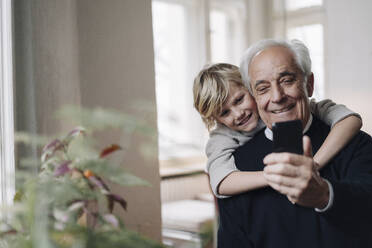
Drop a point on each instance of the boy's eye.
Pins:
(224, 113)
(238, 100)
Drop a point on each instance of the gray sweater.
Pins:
(223, 141)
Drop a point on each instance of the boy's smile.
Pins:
(239, 112)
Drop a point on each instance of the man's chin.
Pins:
(282, 117)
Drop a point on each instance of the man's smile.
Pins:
(285, 109)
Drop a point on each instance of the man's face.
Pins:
(240, 111)
(278, 86)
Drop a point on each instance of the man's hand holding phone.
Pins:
(292, 172)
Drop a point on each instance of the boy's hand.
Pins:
(297, 177)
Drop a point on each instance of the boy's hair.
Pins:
(211, 89)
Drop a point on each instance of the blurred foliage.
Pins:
(99, 119)
(62, 205)
(206, 234)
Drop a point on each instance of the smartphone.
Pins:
(287, 136)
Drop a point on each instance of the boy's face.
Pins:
(240, 111)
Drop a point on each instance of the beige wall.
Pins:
(258, 23)
(93, 53)
(116, 71)
(349, 55)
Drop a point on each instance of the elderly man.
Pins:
(303, 207)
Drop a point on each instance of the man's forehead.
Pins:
(272, 61)
(273, 55)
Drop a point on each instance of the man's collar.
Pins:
(269, 132)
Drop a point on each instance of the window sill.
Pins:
(181, 170)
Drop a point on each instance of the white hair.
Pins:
(300, 51)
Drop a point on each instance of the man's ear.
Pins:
(310, 85)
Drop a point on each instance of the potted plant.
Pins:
(69, 203)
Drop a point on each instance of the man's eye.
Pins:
(261, 90)
(288, 80)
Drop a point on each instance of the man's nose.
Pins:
(277, 93)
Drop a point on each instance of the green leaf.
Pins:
(99, 118)
(120, 238)
(95, 119)
(82, 148)
(30, 139)
(18, 196)
(62, 190)
(103, 168)
(128, 180)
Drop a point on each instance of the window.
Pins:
(178, 55)
(303, 20)
(187, 35)
(228, 36)
(296, 4)
(312, 36)
(6, 107)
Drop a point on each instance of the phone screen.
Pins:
(287, 136)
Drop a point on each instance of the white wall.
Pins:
(348, 58)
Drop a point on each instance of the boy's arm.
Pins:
(330, 112)
(339, 136)
(221, 164)
(241, 181)
(344, 123)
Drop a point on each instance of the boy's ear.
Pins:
(310, 85)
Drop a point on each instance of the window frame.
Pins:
(195, 11)
(7, 164)
(283, 20)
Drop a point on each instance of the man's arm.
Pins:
(291, 174)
